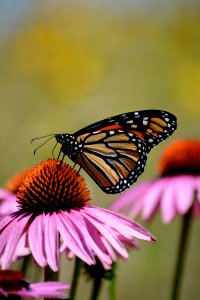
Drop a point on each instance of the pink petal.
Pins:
(70, 237)
(129, 197)
(168, 204)
(36, 234)
(123, 225)
(108, 234)
(152, 198)
(5, 226)
(184, 189)
(109, 249)
(16, 232)
(8, 206)
(51, 241)
(6, 195)
(22, 249)
(99, 248)
(136, 208)
(92, 237)
(44, 289)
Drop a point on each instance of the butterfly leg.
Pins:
(60, 154)
(79, 169)
(53, 151)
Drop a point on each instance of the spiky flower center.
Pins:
(52, 186)
(181, 157)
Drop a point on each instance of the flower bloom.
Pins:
(55, 216)
(174, 192)
(8, 202)
(13, 283)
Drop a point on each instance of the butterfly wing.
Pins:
(113, 158)
(152, 126)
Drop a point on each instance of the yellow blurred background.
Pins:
(66, 64)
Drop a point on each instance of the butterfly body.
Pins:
(114, 151)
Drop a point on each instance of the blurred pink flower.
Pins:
(174, 192)
(53, 201)
(13, 283)
(8, 202)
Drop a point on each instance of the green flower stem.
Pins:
(112, 288)
(76, 276)
(186, 222)
(96, 287)
(50, 275)
(25, 264)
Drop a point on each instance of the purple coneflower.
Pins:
(13, 283)
(55, 216)
(174, 192)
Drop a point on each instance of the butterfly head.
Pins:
(69, 145)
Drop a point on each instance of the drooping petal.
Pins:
(16, 231)
(36, 234)
(22, 249)
(51, 241)
(168, 204)
(5, 228)
(122, 224)
(70, 237)
(184, 190)
(152, 198)
(92, 238)
(112, 253)
(110, 235)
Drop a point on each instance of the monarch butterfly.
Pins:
(114, 151)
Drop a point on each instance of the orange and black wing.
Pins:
(113, 158)
(152, 126)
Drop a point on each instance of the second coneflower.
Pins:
(55, 216)
(175, 193)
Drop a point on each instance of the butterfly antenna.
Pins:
(42, 144)
(41, 137)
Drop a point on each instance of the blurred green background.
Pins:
(66, 64)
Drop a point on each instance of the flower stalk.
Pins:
(97, 283)
(76, 275)
(181, 254)
(50, 275)
(113, 284)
